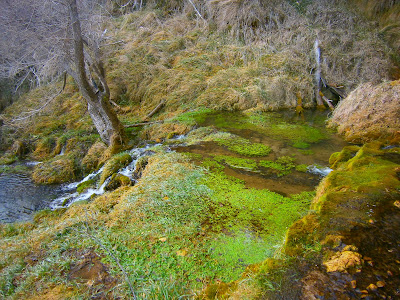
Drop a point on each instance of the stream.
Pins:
(20, 197)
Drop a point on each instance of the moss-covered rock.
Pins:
(343, 156)
(56, 171)
(117, 162)
(118, 180)
(91, 183)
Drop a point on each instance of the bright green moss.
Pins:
(192, 118)
(85, 185)
(244, 147)
(283, 165)
(301, 168)
(237, 162)
(212, 165)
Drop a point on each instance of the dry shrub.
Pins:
(370, 112)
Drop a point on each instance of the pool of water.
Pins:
(20, 197)
(283, 132)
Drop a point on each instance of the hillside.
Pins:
(219, 194)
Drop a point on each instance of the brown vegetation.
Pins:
(370, 112)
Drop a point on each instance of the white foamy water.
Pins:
(322, 171)
(71, 195)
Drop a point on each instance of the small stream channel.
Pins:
(20, 197)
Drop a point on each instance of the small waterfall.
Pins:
(71, 195)
(317, 52)
(318, 170)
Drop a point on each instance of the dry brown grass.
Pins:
(251, 55)
(370, 112)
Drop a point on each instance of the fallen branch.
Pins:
(155, 110)
(327, 101)
(142, 124)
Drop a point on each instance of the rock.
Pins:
(344, 260)
(140, 166)
(397, 203)
(372, 287)
(118, 180)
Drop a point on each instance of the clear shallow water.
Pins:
(20, 197)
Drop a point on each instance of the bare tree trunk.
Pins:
(87, 66)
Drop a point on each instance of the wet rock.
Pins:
(353, 284)
(317, 285)
(372, 287)
(117, 180)
(380, 284)
(397, 203)
(344, 260)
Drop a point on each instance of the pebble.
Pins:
(380, 284)
(397, 203)
(372, 287)
(389, 273)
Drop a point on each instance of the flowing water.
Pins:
(20, 197)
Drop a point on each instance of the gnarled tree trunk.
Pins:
(86, 68)
(105, 119)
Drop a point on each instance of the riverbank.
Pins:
(232, 209)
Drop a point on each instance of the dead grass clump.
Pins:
(56, 171)
(370, 112)
(243, 19)
(92, 158)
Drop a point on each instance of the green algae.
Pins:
(257, 217)
(244, 147)
(193, 118)
(299, 135)
(237, 162)
(283, 165)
